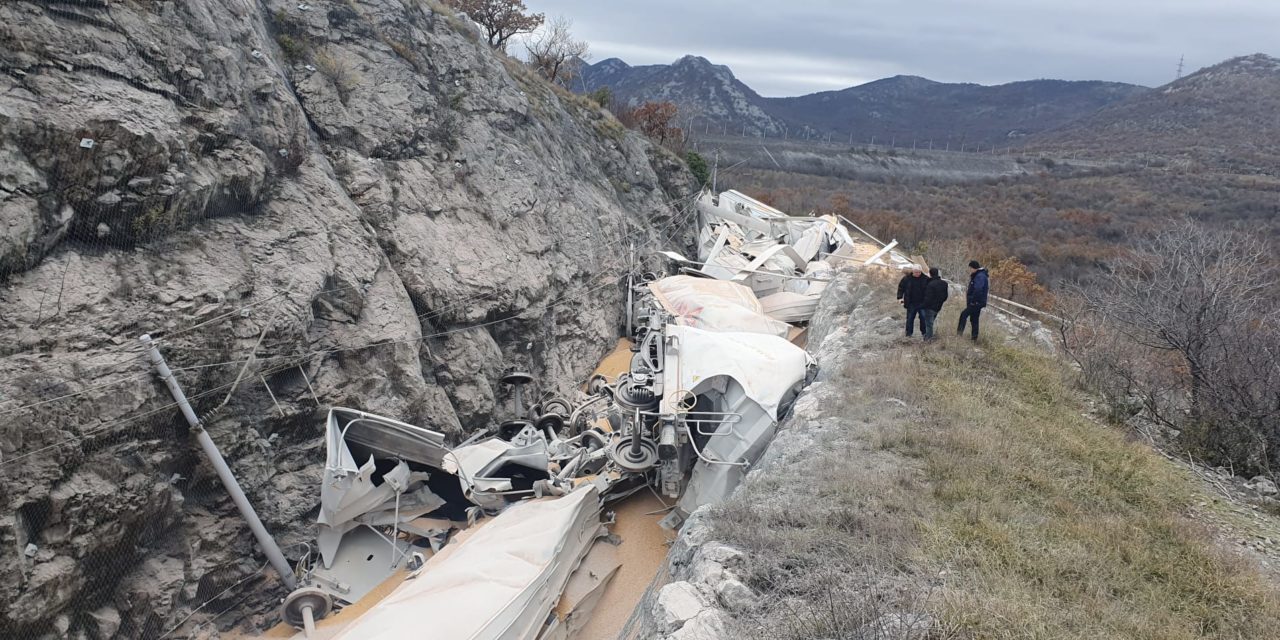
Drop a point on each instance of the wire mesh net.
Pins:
(159, 175)
(186, 170)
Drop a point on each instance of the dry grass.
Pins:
(1057, 527)
(991, 504)
(339, 71)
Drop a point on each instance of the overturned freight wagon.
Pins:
(503, 536)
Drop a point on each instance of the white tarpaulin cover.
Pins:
(766, 366)
(715, 305)
(499, 584)
(820, 270)
(790, 307)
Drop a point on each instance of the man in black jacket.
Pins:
(935, 293)
(911, 293)
(975, 298)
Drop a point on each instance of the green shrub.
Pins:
(294, 48)
(698, 166)
(602, 96)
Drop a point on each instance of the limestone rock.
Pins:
(708, 625)
(735, 596)
(1262, 485)
(677, 603)
(388, 231)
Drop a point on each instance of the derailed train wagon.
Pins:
(502, 536)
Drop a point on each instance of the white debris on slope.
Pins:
(686, 415)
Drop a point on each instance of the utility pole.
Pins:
(744, 130)
(265, 541)
(715, 170)
(1181, 58)
(851, 137)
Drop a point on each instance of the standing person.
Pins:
(911, 293)
(935, 293)
(975, 298)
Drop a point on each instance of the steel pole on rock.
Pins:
(265, 541)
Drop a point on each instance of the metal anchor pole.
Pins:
(265, 541)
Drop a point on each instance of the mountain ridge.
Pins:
(900, 106)
(1222, 114)
(698, 86)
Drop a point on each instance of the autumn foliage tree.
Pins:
(500, 19)
(1013, 280)
(654, 120)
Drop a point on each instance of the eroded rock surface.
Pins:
(391, 212)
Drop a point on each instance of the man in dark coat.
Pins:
(935, 293)
(975, 298)
(911, 293)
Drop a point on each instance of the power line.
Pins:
(299, 357)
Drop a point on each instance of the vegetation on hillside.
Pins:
(1063, 225)
(500, 19)
(1182, 331)
(969, 486)
(1223, 116)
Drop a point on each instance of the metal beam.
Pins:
(886, 249)
(265, 541)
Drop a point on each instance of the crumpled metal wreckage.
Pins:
(491, 531)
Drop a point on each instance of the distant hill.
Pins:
(1226, 115)
(698, 87)
(905, 108)
(910, 108)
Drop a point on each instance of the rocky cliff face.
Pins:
(359, 192)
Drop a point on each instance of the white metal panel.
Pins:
(499, 584)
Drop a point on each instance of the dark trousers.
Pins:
(971, 314)
(912, 313)
(927, 316)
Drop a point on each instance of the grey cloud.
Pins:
(816, 45)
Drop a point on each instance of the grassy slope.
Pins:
(994, 505)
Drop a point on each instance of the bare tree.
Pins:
(500, 19)
(1185, 324)
(555, 53)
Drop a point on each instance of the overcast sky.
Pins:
(802, 46)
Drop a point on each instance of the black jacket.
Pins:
(935, 293)
(976, 294)
(911, 289)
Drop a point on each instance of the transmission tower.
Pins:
(1181, 58)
